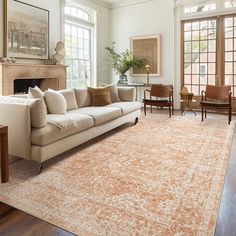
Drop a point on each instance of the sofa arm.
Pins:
(126, 94)
(17, 117)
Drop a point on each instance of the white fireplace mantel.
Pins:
(54, 76)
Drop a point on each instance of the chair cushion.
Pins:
(51, 133)
(126, 107)
(100, 114)
(215, 104)
(100, 96)
(83, 97)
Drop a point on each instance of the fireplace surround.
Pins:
(13, 77)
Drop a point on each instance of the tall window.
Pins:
(79, 28)
(199, 54)
(209, 53)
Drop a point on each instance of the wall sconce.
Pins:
(147, 67)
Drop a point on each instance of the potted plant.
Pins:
(122, 62)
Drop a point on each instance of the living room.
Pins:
(117, 117)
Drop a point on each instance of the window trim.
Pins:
(91, 25)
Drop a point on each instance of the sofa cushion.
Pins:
(69, 95)
(51, 133)
(55, 101)
(83, 97)
(99, 114)
(113, 90)
(35, 92)
(38, 113)
(126, 107)
(126, 94)
(100, 96)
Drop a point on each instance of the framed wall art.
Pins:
(147, 48)
(26, 30)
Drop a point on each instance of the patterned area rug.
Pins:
(160, 177)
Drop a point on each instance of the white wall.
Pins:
(54, 7)
(148, 18)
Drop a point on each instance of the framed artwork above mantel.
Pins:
(26, 30)
(147, 48)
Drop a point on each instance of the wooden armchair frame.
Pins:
(159, 91)
(221, 101)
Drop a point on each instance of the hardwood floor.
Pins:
(14, 222)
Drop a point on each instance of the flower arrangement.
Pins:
(122, 62)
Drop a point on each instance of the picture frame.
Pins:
(147, 48)
(26, 30)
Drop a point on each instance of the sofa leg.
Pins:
(40, 168)
(136, 121)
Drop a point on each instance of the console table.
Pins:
(136, 85)
(4, 156)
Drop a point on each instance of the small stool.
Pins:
(187, 100)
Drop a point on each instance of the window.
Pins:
(78, 46)
(209, 53)
(230, 52)
(230, 3)
(200, 8)
(199, 54)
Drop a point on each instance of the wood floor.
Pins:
(17, 223)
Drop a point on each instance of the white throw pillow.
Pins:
(35, 92)
(56, 103)
(69, 95)
(114, 91)
(38, 113)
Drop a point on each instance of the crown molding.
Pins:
(125, 3)
(101, 3)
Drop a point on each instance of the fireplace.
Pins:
(22, 85)
(17, 78)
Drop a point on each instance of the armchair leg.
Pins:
(205, 113)
(151, 109)
(230, 115)
(170, 111)
(202, 114)
(173, 110)
(145, 109)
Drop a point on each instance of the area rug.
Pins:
(160, 177)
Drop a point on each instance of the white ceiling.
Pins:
(112, 1)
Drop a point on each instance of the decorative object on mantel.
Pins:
(147, 67)
(50, 62)
(122, 62)
(26, 30)
(7, 60)
(60, 52)
(147, 48)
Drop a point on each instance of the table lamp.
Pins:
(147, 67)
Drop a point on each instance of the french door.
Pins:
(209, 54)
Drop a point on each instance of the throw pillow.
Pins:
(114, 92)
(100, 96)
(35, 92)
(38, 113)
(69, 95)
(83, 97)
(55, 101)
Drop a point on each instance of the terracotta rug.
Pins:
(160, 177)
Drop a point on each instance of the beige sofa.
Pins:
(41, 144)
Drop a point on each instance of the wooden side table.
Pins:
(4, 155)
